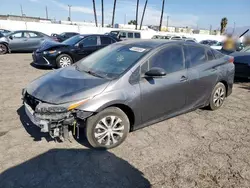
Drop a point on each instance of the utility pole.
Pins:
(113, 17)
(21, 7)
(136, 17)
(145, 6)
(167, 21)
(210, 30)
(102, 14)
(125, 19)
(47, 16)
(234, 28)
(69, 12)
(96, 24)
(162, 11)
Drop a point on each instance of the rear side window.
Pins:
(170, 59)
(137, 35)
(210, 55)
(90, 41)
(217, 54)
(197, 55)
(130, 35)
(106, 41)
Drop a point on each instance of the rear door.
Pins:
(87, 46)
(202, 74)
(33, 40)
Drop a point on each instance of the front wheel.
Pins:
(3, 49)
(218, 96)
(107, 129)
(63, 60)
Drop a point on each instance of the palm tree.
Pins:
(102, 14)
(113, 17)
(145, 6)
(162, 11)
(136, 17)
(95, 13)
(223, 25)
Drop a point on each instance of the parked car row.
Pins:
(169, 37)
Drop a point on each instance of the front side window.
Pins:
(197, 55)
(89, 41)
(170, 59)
(73, 40)
(17, 35)
(112, 61)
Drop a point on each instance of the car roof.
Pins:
(153, 43)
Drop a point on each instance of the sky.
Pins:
(191, 13)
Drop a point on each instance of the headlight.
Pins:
(79, 103)
(49, 52)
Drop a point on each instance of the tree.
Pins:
(95, 13)
(132, 22)
(113, 17)
(162, 11)
(223, 25)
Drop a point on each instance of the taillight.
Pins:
(231, 59)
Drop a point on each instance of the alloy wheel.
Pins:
(3, 49)
(219, 97)
(109, 130)
(64, 61)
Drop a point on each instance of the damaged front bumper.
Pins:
(53, 119)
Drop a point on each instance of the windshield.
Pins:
(73, 40)
(112, 61)
(247, 49)
(114, 33)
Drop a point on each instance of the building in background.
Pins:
(23, 18)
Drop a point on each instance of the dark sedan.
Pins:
(64, 36)
(242, 63)
(54, 54)
(126, 86)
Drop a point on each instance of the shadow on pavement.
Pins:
(40, 67)
(74, 168)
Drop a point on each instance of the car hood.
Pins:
(49, 45)
(66, 85)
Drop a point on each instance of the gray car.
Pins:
(126, 86)
(24, 40)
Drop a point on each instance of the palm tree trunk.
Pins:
(136, 19)
(95, 13)
(102, 14)
(113, 17)
(162, 11)
(145, 6)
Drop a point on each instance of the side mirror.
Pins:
(156, 72)
(10, 37)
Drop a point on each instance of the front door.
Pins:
(86, 47)
(16, 41)
(161, 97)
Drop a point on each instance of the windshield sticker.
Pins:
(137, 49)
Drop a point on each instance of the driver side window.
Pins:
(170, 59)
(89, 41)
(17, 35)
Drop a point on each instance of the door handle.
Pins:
(183, 79)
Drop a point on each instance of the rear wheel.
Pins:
(218, 96)
(63, 60)
(107, 129)
(3, 49)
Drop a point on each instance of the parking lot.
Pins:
(198, 149)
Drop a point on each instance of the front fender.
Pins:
(100, 102)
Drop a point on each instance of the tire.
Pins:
(3, 49)
(63, 60)
(217, 97)
(95, 128)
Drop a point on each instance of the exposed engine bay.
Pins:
(56, 120)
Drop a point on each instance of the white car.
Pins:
(217, 46)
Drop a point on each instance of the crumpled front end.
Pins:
(57, 120)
